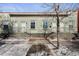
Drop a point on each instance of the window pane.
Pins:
(45, 24)
(33, 25)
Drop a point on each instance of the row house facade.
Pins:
(40, 22)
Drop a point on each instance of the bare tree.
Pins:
(56, 8)
(57, 15)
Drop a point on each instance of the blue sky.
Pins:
(33, 7)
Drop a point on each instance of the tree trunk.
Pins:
(57, 30)
(57, 15)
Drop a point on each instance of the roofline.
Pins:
(35, 14)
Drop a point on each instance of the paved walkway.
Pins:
(14, 47)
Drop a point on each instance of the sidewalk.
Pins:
(14, 47)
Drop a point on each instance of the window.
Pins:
(33, 25)
(70, 27)
(5, 27)
(45, 24)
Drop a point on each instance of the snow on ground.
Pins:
(67, 49)
(20, 47)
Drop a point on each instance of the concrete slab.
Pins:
(14, 47)
(18, 50)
